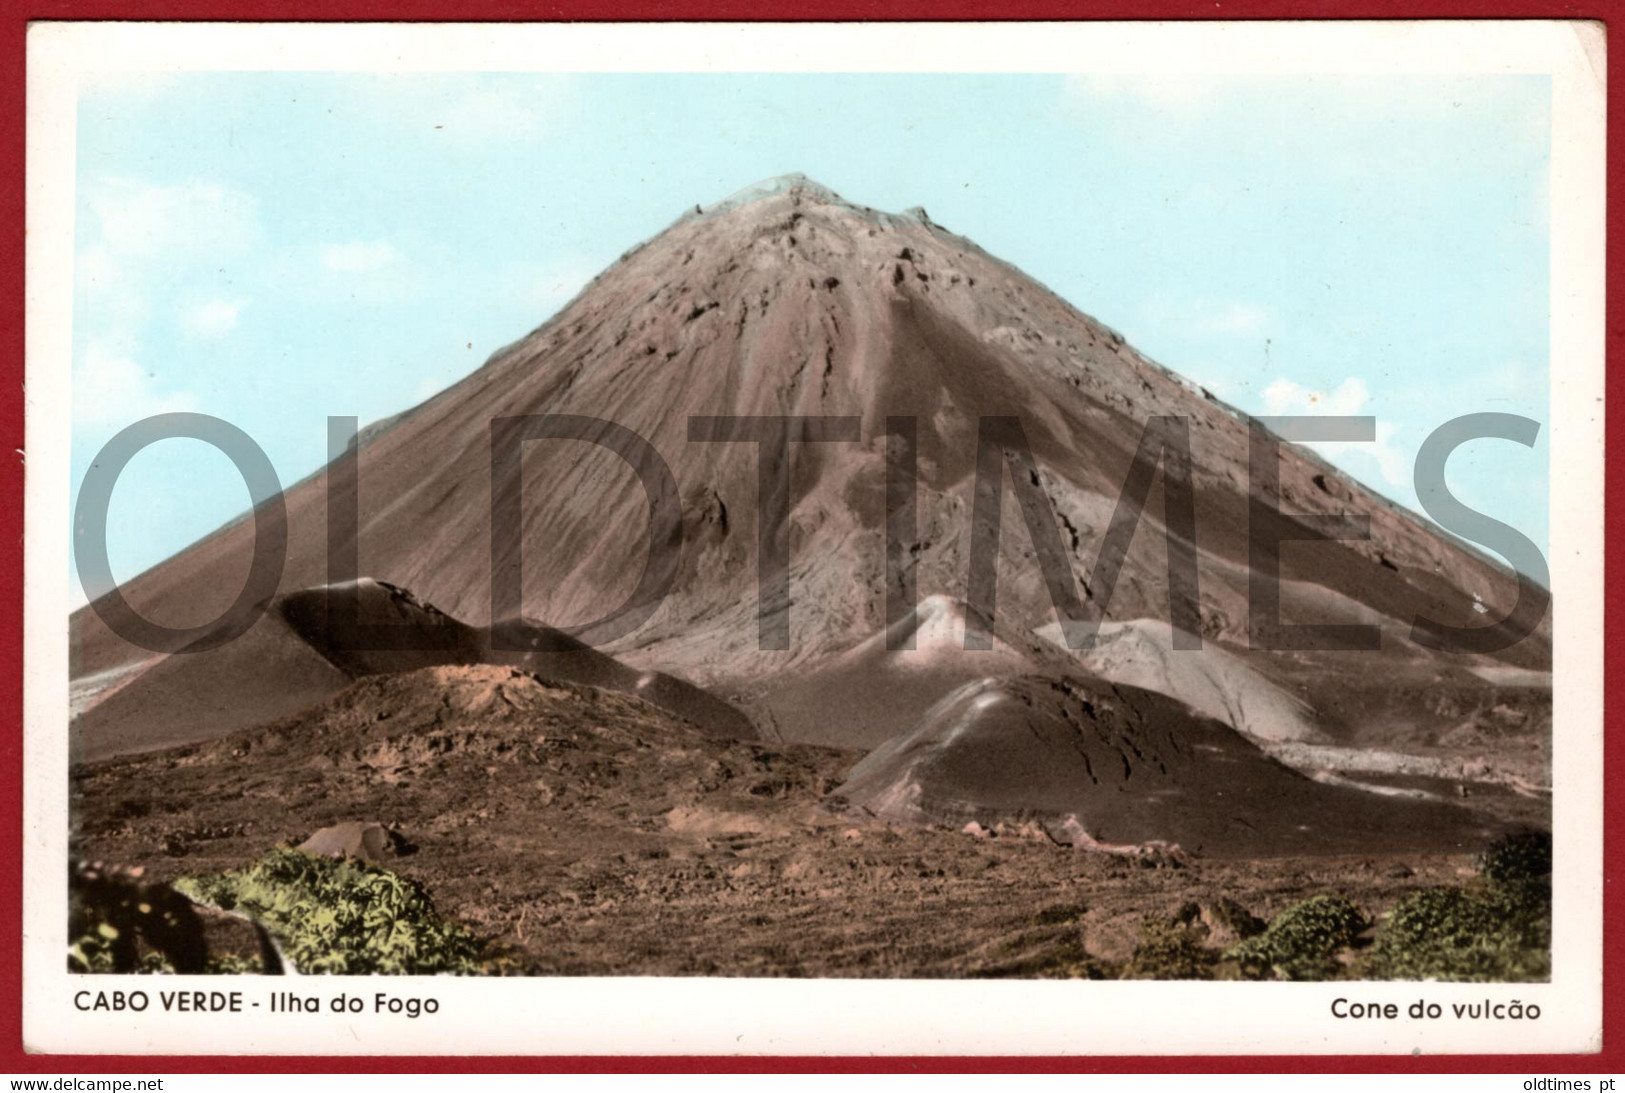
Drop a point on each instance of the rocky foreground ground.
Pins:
(580, 832)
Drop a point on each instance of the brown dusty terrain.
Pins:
(582, 832)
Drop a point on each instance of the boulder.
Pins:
(369, 842)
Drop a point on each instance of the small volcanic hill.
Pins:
(1121, 767)
(789, 301)
(295, 657)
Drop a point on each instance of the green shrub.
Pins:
(1302, 942)
(101, 952)
(1498, 931)
(235, 964)
(341, 917)
(1169, 950)
(1522, 858)
(1494, 935)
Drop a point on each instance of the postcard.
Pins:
(814, 539)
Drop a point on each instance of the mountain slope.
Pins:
(790, 301)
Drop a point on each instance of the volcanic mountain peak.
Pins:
(788, 300)
(800, 191)
(828, 602)
(793, 181)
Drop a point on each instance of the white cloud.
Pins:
(140, 234)
(1288, 397)
(211, 318)
(111, 389)
(96, 269)
(1512, 380)
(358, 257)
(1284, 396)
(141, 238)
(139, 219)
(368, 273)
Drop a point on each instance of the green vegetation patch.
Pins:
(101, 951)
(1522, 858)
(341, 917)
(1169, 950)
(1464, 936)
(1303, 941)
(1498, 931)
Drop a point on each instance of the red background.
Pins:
(13, 29)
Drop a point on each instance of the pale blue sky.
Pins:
(274, 248)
